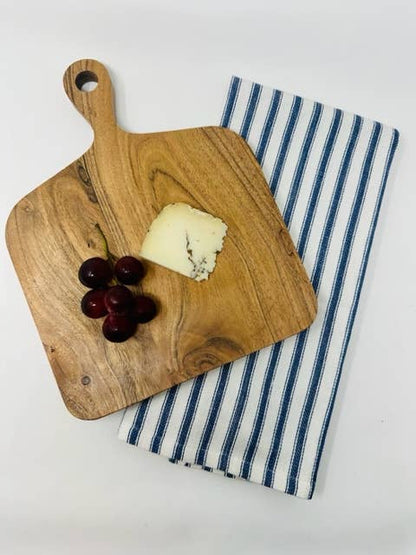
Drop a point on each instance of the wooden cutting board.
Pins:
(257, 295)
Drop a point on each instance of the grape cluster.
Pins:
(122, 310)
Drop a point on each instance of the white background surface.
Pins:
(68, 486)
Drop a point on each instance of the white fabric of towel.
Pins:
(264, 418)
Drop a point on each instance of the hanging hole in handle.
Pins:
(86, 81)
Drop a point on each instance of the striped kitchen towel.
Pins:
(264, 418)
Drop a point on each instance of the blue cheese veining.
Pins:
(185, 240)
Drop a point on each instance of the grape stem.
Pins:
(111, 258)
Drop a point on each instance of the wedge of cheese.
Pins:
(185, 240)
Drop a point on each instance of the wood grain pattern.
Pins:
(258, 293)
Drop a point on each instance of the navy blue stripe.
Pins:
(189, 416)
(214, 410)
(268, 127)
(301, 339)
(284, 147)
(251, 110)
(332, 309)
(393, 147)
(335, 202)
(162, 424)
(284, 408)
(238, 412)
(316, 190)
(300, 169)
(137, 426)
(258, 424)
(231, 101)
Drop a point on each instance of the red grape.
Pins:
(118, 327)
(144, 309)
(95, 272)
(92, 304)
(118, 299)
(129, 270)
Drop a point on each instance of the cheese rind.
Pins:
(185, 240)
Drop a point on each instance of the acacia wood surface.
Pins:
(258, 294)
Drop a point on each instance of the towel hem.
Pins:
(304, 490)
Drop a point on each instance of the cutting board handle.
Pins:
(95, 104)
